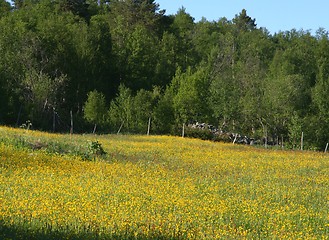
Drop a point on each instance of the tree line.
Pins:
(120, 65)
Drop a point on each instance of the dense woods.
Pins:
(120, 65)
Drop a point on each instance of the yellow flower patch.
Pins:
(163, 187)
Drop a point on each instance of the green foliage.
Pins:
(203, 134)
(77, 7)
(183, 27)
(90, 150)
(133, 112)
(244, 22)
(144, 103)
(4, 8)
(164, 113)
(120, 112)
(95, 108)
(167, 58)
(95, 149)
(295, 131)
(190, 95)
(141, 62)
(205, 37)
(167, 69)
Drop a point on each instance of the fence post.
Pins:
(54, 119)
(71, 129)
(148, 127)
(120, 127)
(183, 132)
(282, 146)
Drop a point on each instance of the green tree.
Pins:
(121, 110)
(10, 68)
(77, 7)
(4, 8)
(299, 58)
(280, 93)
(164, 113)
(131, 13)
(183, 27)
(224, 92)
(290, 79)
(41, 92)
(320, 92)
(167, 59)
(31, 81)
(205, 37)
(95, 108)
(143, 108)
(43, 41)
(254, 50)
(190, 100)
(141, 62)
(18, 4)
(243, 22)
(134, 26)
(295, 131)
(96, 57)
(83, 52)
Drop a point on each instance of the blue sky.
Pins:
(274, 15)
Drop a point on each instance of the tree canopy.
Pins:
(121, 64)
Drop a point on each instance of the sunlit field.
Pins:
(158, 187)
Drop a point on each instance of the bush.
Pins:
(203, 134)
(95, 149)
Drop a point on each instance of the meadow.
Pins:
(53, 186)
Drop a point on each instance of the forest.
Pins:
(74, 65)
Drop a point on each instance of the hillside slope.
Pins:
(157, 187)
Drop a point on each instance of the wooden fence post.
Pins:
(95, 126)
(54, 120)
(148, 127)
(282, 146)
(120, 127)
(71, 129)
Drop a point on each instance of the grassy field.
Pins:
(157, 187)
